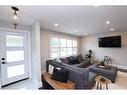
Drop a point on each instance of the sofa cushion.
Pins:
(58, 60)
(63, 60)
(72, 60)
(60, 75)
(81, 65)
(84, 64)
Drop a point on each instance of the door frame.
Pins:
(28, 45)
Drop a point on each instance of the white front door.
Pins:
(14, 57)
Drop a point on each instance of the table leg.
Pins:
(100, 85)
(106, 86)
(97, 85)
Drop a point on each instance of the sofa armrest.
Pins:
(79, 75)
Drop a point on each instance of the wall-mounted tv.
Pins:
(112, 41)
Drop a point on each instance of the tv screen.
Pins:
(112, 41)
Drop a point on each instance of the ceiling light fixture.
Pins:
(15, 25)
(112, 29)
(56, 25)
(107, 22)
(15, 16)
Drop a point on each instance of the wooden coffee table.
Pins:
(100, 80)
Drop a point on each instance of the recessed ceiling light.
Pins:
(75, 30)
(112, 29)
(55, 24)
(96, 5)
(107, 22)
(85, 34)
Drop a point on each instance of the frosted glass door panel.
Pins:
(13, 56)
(14, 40)
(15, 71)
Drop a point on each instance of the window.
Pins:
(54, 49)
(61, 47)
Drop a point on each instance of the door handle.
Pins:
(3, 61)
(3, 58)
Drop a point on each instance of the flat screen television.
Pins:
(112, 41)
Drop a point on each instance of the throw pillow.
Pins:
(60, 75)
(73, 60)
(68, 60)
(58, 60)
(63, 60)
(50, 69)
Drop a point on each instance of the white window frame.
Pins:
(58, 48)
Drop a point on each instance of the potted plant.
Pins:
(102, 62)
(106, 61)
(89, 55)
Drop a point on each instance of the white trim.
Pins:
(0, 76)
(38, 84)
(29, 55)
(120, 66)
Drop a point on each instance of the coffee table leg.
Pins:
(106, 86)
(100, 85)
(97, 84)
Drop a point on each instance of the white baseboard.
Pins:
(120, 66)
(38, 84)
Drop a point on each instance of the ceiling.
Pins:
(84, 19)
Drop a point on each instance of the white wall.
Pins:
(45, 45)
(35, 53)
(118, 55)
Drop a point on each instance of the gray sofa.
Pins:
(81, 76)
(83, 73)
